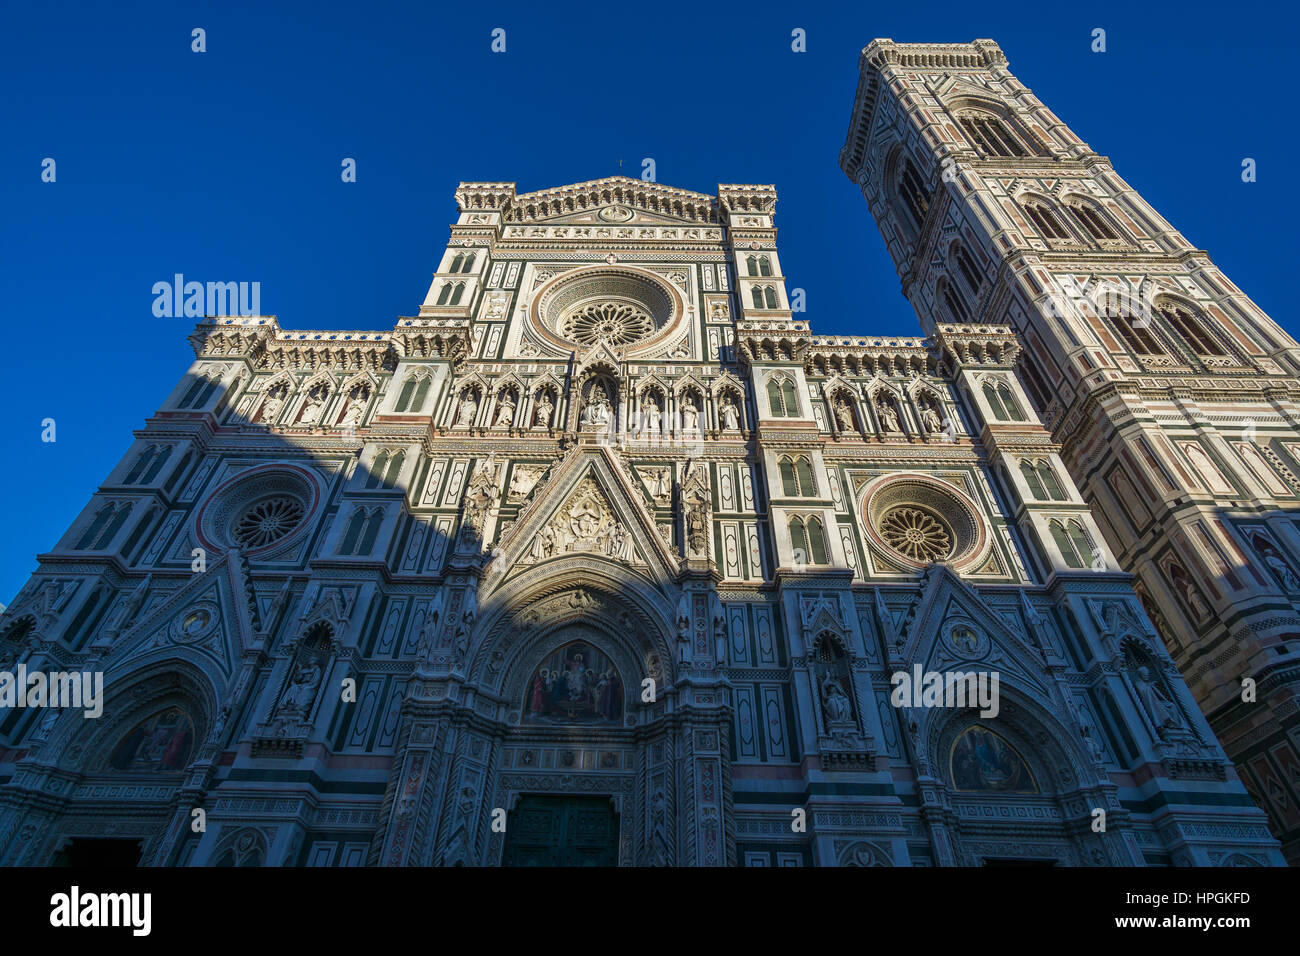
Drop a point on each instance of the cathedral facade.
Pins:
(1173, 399)
(604, 557)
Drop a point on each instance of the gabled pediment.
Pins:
(612, 202)
(953, 629)
(207, 621)
(592, 505)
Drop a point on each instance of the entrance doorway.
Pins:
(561, 831)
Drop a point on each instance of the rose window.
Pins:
(267, 521)
(618, 323)
(916, 533)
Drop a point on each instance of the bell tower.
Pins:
(1172, 396)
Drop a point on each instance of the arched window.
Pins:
(421, 393)
(102, 517)
(444, 293)
(1045, 220)
(404, 396)
(1191, 328)
(456, 293)
(1042, 480)
(1072, 541)
(108, 521)
(781, 398)
(797, 477)
(193, 392)
(467, 265)
(751, 263)
(455, 262)
(199, 392)
(757, 294)
(1093, 223)
(764, 266)
(353, 533)
(1033, 480)
(179, 472)
(372, 532)
(966, 266)
(817, 540)
(789, 484)
(394, 469)
(769, 295)
(957, 310)
(147, 465)
(990, 135)
(1136, 334)
(1050, 482)
(377, 468)
(798, 540)
(791, 400)
(1003, 402)
(916, 196)
(774, 399)
(803, 472)
(1009, 403)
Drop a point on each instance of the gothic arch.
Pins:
(1059, 767)
(571, 590)
(167, 683)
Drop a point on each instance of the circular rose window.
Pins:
(618, 323)
(624, 307)
(917, 533)
(267, 521)
(920, 519)
(259, 510)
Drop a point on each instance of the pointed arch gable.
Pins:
(945, 597)
(523, 621)
(626, 501)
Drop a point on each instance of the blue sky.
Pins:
(225, 165)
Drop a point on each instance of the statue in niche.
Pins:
(315, 406)
(690, 415)
(730, 415)
(696, 521)
(651, 417)
(1188, 590)
(930, 419)
(467, 410)
(301, 691)
(835, 703)
(355, 407)
(274, 404)
(597, 410)
(661, 484)
(505, 411)
(1157, 704)
(1268, 554)
(684, 629)
(888, 415)
(542, 411)
(844, 416)
(480, 496)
